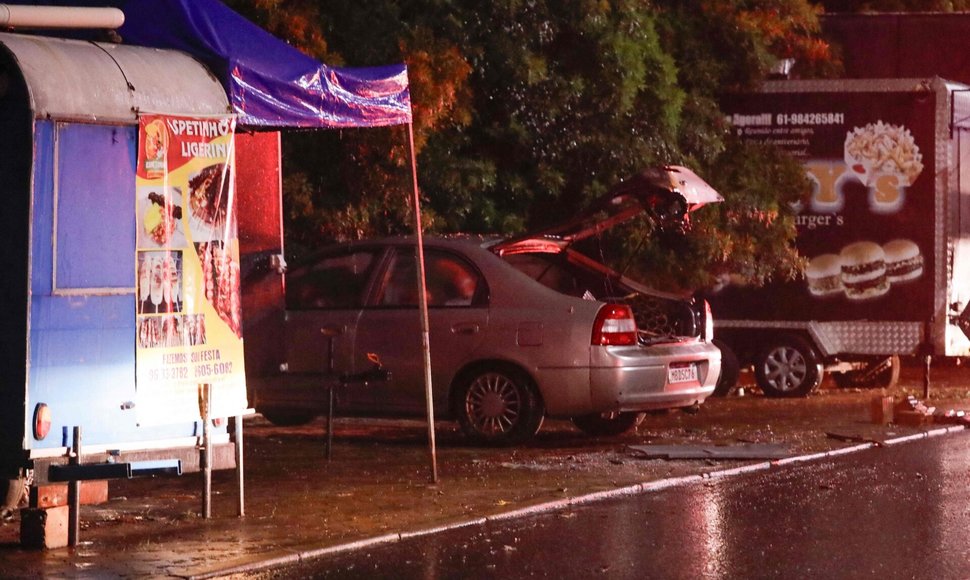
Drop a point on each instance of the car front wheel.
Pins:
(499, 406)
(608, 424)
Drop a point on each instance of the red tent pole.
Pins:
(423, 307)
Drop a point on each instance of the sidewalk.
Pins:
(378, 485)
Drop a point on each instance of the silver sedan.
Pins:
(507, 349)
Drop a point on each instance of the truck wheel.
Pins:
(788, 368)
(730, 369)
(878, 374)
(498, 406)
(608, 424)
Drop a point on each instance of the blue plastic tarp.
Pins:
(269, 83)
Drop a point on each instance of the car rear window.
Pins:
(556, 272)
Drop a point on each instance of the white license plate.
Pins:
(682, 374)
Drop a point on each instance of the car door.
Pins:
(324, 300)
(390, 327)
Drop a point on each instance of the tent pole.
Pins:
(423, 306)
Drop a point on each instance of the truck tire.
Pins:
(730, 369)
(878, 374)
(789, 367)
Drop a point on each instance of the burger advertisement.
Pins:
(866, 231)
(189, 319)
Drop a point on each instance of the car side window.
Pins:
(450, 281)
(336, 281)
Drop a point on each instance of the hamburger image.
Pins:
(903, 261)
(824, 275)
(864, 271)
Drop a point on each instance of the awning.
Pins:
(270, 84)
(110, 83)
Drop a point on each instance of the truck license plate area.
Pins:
(682, 373)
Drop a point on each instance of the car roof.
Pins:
(507, 285)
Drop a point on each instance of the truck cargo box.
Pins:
(884, 232)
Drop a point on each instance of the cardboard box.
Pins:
(44, 528)
(881, 410)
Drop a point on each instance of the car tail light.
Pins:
(614, 326)
(708, 322)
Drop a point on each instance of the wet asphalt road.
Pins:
(896, 512)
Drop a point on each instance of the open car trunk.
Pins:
(666, 195)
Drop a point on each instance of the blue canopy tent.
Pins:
(271, 85)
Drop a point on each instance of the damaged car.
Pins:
(520, 329)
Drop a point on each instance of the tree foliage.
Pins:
(896, 5)
(525, 110)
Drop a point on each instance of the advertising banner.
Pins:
(867, 227)
(189, 325)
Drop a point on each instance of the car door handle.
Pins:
(465, 328)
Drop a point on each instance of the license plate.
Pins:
(682, 373)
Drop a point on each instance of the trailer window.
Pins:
(95, 209)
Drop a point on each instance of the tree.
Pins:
(527, 110)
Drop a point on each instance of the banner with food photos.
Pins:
(189, 326)
(866, 228)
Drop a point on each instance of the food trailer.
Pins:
(140, 187)
(884, 232)
(122, 326)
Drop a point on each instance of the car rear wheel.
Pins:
(730, 369)
(499, 406)
(788, 368)
(608, 424)
(288, 418)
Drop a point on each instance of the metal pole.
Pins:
(423, 306)
(330, 368)
(926, 377)
(74, 493)
(239, 464)
(206, 454)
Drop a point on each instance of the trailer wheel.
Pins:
(730, 369)
(788, 368)
(877, 374)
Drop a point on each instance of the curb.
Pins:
(295, 557)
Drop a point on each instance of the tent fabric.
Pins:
(269, 83)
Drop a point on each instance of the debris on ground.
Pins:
(856, 437)
(913, 412)
(743, 451)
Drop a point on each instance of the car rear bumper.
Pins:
(637, 379)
